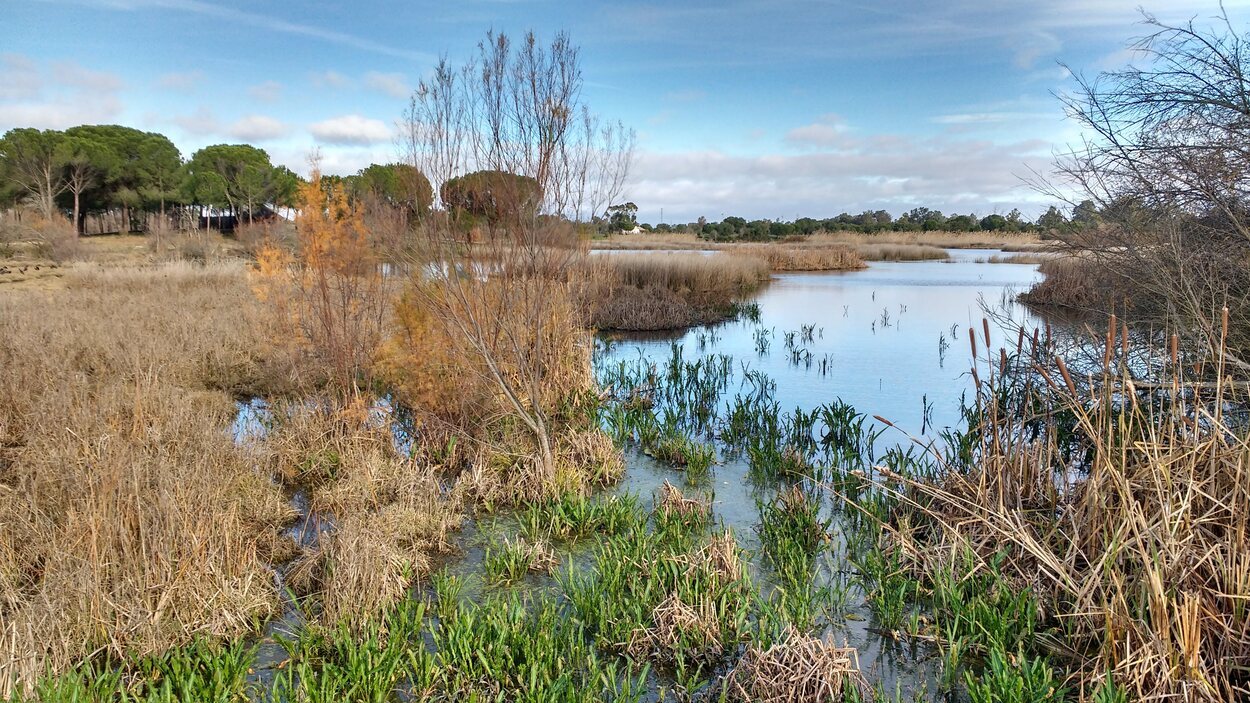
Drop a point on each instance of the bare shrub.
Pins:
(528, 160)
(329, 292)
(1163, 177)
(54, 238)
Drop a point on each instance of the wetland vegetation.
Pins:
(403, 452)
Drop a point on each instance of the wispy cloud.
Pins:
(274, 24)
(266, 92)
(392, 84)
(183, 82)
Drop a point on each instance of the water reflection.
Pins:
(893, 338)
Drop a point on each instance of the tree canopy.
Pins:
(495, 196)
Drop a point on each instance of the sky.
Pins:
(757, 108)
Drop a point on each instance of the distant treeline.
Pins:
(915, 220)
(108, 178)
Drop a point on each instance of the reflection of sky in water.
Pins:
(887, 371)
(880, 329)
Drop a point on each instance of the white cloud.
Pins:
(351, 130)
(19, 77)
(828, 131)
(258, 128)
(885, 171)
(200, 123)
(74, 74)
(329, 79)
(392, 84)
(55, 95)
(266, 92)
(183, 82)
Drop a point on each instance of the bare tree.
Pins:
(496, 269)
(1166, 162)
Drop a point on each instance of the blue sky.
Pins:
(746, 107)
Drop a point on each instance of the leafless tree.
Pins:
(498, 277)
(1166, 161)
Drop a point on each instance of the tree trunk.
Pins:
(77, 222)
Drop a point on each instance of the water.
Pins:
(891, 340)
(880, 330)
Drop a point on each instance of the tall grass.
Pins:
(129, 520)
(786, 257)
(651, 292)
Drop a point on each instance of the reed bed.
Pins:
(1078, 283)
(129, 520)
(900, 252)
(1137, 558)
(654, 292)
(785, 257)
(1029, 259)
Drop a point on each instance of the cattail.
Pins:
(1067, 377)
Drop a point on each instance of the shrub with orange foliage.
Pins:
(329, 292)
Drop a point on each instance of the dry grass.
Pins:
(674, 505)
(1143, 556)
(784, 257)
(666, 291)
(1028, 259)
(1079, 284)
(797, 669)
(129, 520)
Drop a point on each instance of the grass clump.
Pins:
(672, 595)
(515, 558)
(200, 671)
(511, 648)
(574, 516)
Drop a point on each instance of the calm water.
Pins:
(879, 330)
(893, 340)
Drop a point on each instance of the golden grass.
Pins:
(129, 520)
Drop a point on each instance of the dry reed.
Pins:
(1142, 556)
(666, 291)
(797, 669)
(129, 520)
